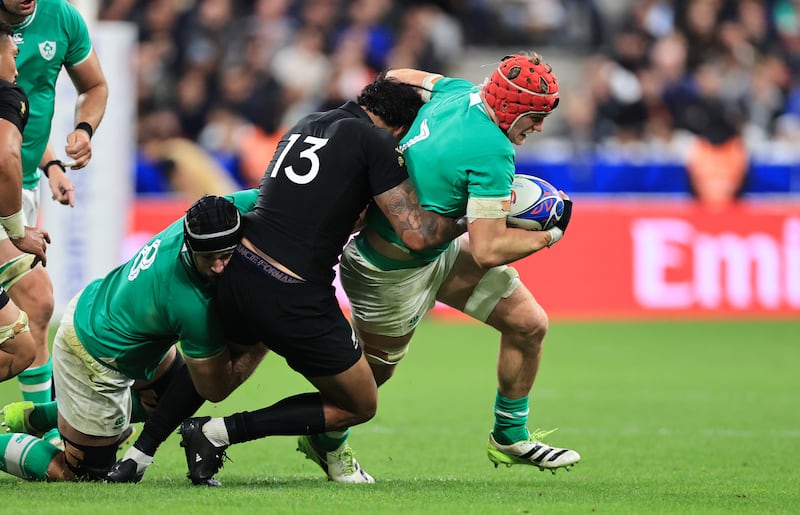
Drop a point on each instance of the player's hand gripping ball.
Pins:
(535, 204)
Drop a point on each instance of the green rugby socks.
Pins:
(510, 419)
(36, 383)
(26, 456)
(44, 416)
(329, 441)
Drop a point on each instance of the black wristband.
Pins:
(47, 166)
(86, 127)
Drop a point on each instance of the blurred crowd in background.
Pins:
(714, 81)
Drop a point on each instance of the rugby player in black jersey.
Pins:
(278, 287)
(17, 349)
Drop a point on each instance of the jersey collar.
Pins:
(352, 107)
(27, 21)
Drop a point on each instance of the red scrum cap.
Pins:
(521, 85)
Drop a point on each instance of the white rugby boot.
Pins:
(532, 452)
(340, 465)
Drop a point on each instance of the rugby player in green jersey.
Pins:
(460, 156)
(115, 348)
(17, 349)
(51, 35)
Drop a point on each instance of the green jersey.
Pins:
(130, 318)
(453, 151)
(55, 35)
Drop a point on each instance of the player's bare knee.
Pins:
(343, 417)
(534, 324)
(40, 310)
(47, 306)
(364, 408)
(367, 412)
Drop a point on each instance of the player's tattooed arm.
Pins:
(417, 228)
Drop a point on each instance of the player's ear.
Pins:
(399, 132)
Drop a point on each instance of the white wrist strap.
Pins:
(427, 86)
(14, 225)
(555, 235)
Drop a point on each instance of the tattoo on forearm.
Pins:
(404, 205)
(433, 228)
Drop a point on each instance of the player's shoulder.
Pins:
(163, 249)
(11, 91)
(374, 140)
(350, 118)
(351, 130)
(61, 22)
(453, 85)
(334, 123)
(59, 7)
(13, 104)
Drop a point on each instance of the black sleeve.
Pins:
(386, 165)
(13, 105)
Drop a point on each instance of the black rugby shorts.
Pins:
(301, 322)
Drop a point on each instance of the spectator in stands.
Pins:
(367, 20)
(718, 158)
(302, 69)
(657, 46)
(180, 162)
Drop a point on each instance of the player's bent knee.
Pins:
(362, 409)
(497, 283)
(89, 463)
(531, 323)
(366, 413)
(33, 290)
(40, 308)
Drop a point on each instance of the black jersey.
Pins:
(325, 171)
(13, 104)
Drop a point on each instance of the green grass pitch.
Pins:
(670, 417)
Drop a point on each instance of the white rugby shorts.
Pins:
(92, 398)
(392, 302)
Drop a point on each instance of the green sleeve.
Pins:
(244, 200)
(80, 44)
(200, 331)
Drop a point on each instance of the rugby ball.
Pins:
(535, 204)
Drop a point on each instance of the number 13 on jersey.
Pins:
(309, 153)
